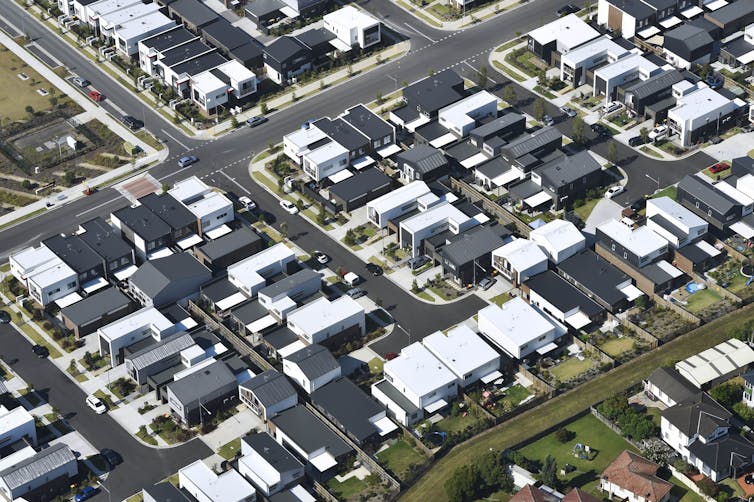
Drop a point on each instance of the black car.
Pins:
(113, 458)
(568, 9)
(600, 130)
(636, 141)
(132, 122)
(4, 317)
(715, 140)
(255, 121)
(41, 351)
(373, 269)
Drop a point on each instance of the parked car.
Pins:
(321, 257)
(715, 140)
(417, 262)
(307, 124)
(548, 121)
(390, 356)
(611, 107)
(41, 351)
(356, 293)
(600, 129)
(352, 279)
(658, 132)
(4, 317)
(85, 494)
(569, 112)
(81, 82)
(96, 404)
(373, 269)
(96, 96)
(132, 122)
(568, 9)
(719, 167)
(747, 128)
(613, 191)
(249, 204)
(256, 120)
(187, 161)
(486, 283)
(713, 80)
(636, 141)
(113, 458)
(288, 206)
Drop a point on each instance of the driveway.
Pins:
(735, 146)
(605, 210)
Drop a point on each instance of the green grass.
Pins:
(507, 71)
(701, 300)
(671, 191)
(516, 394)
(458, 423)
(230, 449)
(417, 12)
(18, 94)
(586, 209)
(31, 396)
(264, 180)
(425, 296)
(508, 45)
(500, 299)
(442, 293)
(589, 431)
(5, 268)
(105, 398)
(571, 368)
(683, 494)
(347, 489)
(722, 174)
(136, 497)
(544, 92)
(375, 365)
(399, 457)
(149, 139)
(143, 434)
(617, 346)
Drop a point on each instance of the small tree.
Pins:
(349, 70)
(284, 230)
(53, 101)
(300, 204)
(263, 108)
(350, 237)
(379, 98)
(233, 122)
(549, 473)
(165, 187)
(481, 77)
(261, 218)
(69, 178)
(539, 109)
(612, 152)
(563, 435)
(322, 85)
(26, 184)
(294, 98)
(578, 134)
(509, 94)
(30, 110)
(644, 134)
(322, 215)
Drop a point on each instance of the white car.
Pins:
(658, 132)
(289, 206)
(321, 257)
(611, 107)
(613, 191)
(96, 404)
(249, 204)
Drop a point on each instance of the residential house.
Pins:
(295, 494)
(193, 14)
(638, 247)
(222, 86)
(741, 166)
(425, 383)
(526, 151)
(267, 394)
(559, 37)
(95, 10)
(41, 476)
(732, 17)
(653, 97)
(269, 466)
(320, 43)
(717, 364)
(627, 69)
(88, 265)
(686, 45)
(153, 48)
(397, 203)
(16, 425)
(93, 312)
(353, 27)
(125, 27)
(467, 257)
(325, 161)
(210, 208)
(302, 141)
(311, 367)
(701, 112)
(425, 98)
(358, 190)
(157, 357)
(196, 396)
(464, 353)
(163, 492)
(285, 59)
(347, 136)
(562, 300)
(668, 386)
(381, 134)
(113, 338)
(106, 241)
(222, 252)
(172, 279)
(354, 413)
(559, 239)
(178, 65)
(519, 260)
(576, 64)
(435, 216)
(282, 296)
(202, 483)
(492, 135)
(519, 329)
(638, 17)
(422, 162)
(309, 440)
(673, 222)
(634, 478)
(748, 397)
(612, 289)
(143, 229)
(566, 179)
(721, 205)
(182, 222)
(461, 117)
(322, 319)
(46, 277)
(251, 274)
(234, 43)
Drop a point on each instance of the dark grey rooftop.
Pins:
(431, 131)
(567, 169)
(246, 53)
(155, 275)
(655, 84)
(423, 158)
(524, 189)
(635, 8)
(707, 193)
(143, 222)
(184, 52)
(315, 37)
(167, 347)
(342, 132)
(199, 64)
(435, 92)
(314, 361)
(673, 384)
(493, 167)
(732, 12)
(738, 47)
(561, 294)
(596, 275)
(270, 387)
(226, 35)
(175, 313)
(202, 383)
(472, 244)
(193, 12)
(272, 452)
(308, 432)
(167, 39)
(94, 306)
(105, 240)
(655, 273)
(462, 151)
(500, 123)
(280, 337)
(668, 226)
(165, 492)
(406, 113)
(261, 8)
(364, 182)
(693, 37)
(349, 406)
(229, 243)
(288, 283)
(249, 311)
(284, 48)
(74, 252)
(529, 143)
(732, 451)
(367, 122)
(218, 290)
(169, 210)
(396, 396)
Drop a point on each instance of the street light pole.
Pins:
(407, 331)
(655, 180)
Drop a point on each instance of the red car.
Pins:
(96, 96)
(719, 167)
(390, 356)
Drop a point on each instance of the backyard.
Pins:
(662, 322)
(347, 489)
(615, 346)
(572, 368)
(728, 275)
(401, 459)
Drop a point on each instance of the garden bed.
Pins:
(662, 322)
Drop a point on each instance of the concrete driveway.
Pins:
(736, 146)
(605, 210)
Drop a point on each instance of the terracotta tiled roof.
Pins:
(578, 495)
(530, 493)
(638, 475)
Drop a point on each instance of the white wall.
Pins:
(51, 292)
(294, 372)
(69, 469)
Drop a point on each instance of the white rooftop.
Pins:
(516, 320)
(734, 193)
(558, 235)
(139, 320)
(129, 13)
(188, 189)
(211, 202)
(32, 259)
(105, 6)
(266, 472)
(745, 185)
(458, 112)
(11, 419)
(399, 197)
(698, 103)
(144, 24)
(570, 31)
(419, 370)
(229, 486)
(596, 46)
(461, 350)
(247, 270)
(302, 138)
(642, 241)
(301, 494)
(207, 83)
(522, 254)
(55, 272)
(433, 215)
(677, 213)
(236, 71)
(624, 65)
(326, 152)
(322, 313)
(716, 362)
(351, 17)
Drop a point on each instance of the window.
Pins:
(613, 246)
(71, 285)
(625, 255)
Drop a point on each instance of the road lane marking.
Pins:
(174, 139)
(173, 173)
(98, 206)
(470, 66)
(235, 182)
(420, 33)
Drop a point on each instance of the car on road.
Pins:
(96, 404)
(568, 9)
(187, 161)
(600, 129)
(132, 122)
(658, 132)
(96, 96)
(417, 262)
(719, 167)
(569, 112)
(85, 494)
(81, 82)
(246, 202)
(4, 317)
(40, 350)
(256, 120)
(486, 283)
(321, 257)
(288, 206)
(636, 141)
(613, 191)
(356, 293)
(373, 269)
(113, 458)
(548, 121)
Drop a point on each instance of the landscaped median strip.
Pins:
(530, 423)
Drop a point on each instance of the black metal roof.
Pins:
(349, 406)
(366, 181)
(193, 12)
(95, 306)
(272, 452)
(227, 36)
(314, 361)
(342, 132)
(74, 252)
(167, 39)
(270, 387)
(308, 432)
(472, 245)
(230, 243)
(175, 55)
(367, 122)
(169, 210)
(423, 158)
(199, 64)
(596, 275)
(249, 311)
(165, 492)
(104, 240)
(434, 92)
(316, 37)
(561, 294)
(567, 169)
(673, 384)
(285, 48)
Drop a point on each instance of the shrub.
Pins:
(563, 435)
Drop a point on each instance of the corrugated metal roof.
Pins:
(270, 387)
(37, 466)
(168, 347)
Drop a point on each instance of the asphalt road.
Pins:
(141, 465)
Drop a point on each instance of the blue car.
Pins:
(187, 161)
(85, 494)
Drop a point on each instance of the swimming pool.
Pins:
(693, 287)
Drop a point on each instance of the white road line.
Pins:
(98, 206)
(174, 173)
(174, 139)
(469, 65)
(236, 183)
(420, 33)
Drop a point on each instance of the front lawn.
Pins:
(400, 457)
(230, 449)
(571, 368)
(501, 298)
(584, 210)
(671, 191)
(105, 398)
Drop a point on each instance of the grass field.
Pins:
(585, 210)
(617, 346)
(701, 300)
(671, 191)
(230, 449)
(18, 94)
(571, 368)
(500, 299)
(399, 457)
(347, 489)
(514, 431)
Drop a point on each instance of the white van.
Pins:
(352, 279)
